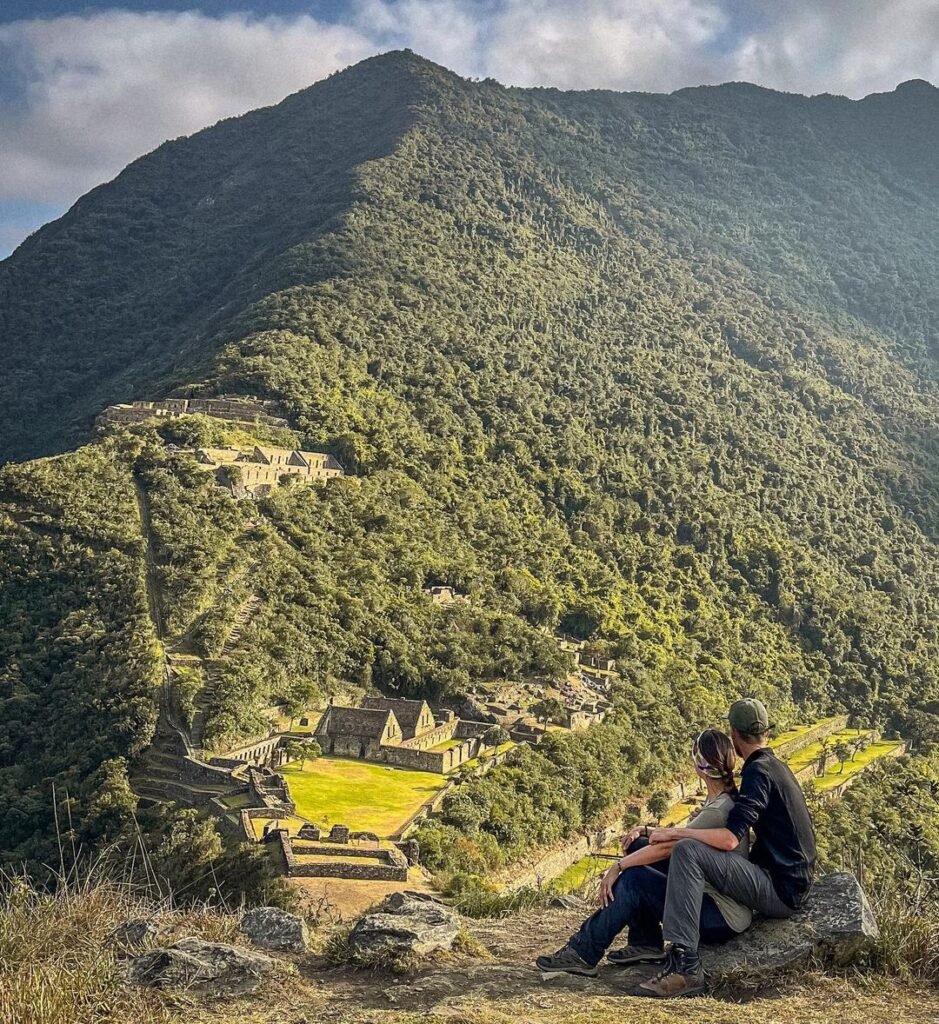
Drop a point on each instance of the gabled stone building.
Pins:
(400, 732)
(357, 732)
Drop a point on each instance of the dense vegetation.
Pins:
(657, 371)
(79, 670)
(896, 854)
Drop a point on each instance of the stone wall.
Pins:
(440, 733)
(393, 869)
(195, 771)
(558, 860)
(439, 761)
(353, 746)
(257, 752)
(344, 869)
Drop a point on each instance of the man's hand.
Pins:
(605, 897)
(664, 835)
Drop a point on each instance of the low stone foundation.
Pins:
(393, 868)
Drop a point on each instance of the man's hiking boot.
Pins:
(565, 961)
(629, 955)
(681, 976)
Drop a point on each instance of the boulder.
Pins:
(568, 901)
(135, 934)
(272, 928)
(405, 924)
(835, 922)
(199, 967)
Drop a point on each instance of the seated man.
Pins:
(632, 893)
(774, 881)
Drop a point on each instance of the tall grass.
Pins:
(909, 931)
(56, 963)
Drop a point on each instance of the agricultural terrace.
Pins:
(365, 796)
(804, 756)
(582, 873)
(835, 777)
(680, 812)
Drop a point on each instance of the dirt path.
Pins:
(156, 616)
(153, 589)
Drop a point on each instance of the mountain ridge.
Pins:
(401, 79)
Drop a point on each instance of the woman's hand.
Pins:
(605, 897)
(631, 836)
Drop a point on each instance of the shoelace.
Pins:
(667, 968)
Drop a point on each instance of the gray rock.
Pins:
(272, 928)
(835, 922)
(135, 934)
(404, 924)
(199, 967)
(568, 901)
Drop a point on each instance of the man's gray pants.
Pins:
(693, 864)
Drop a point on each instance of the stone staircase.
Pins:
(243, 616)
(212, 668)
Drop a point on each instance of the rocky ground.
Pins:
(103, 955)
(498, 985)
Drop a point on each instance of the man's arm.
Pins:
(719, 838)
(748, 807)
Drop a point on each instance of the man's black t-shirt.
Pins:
(772, 804)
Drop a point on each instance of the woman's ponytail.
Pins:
(716, 750)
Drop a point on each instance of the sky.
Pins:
(85, 87)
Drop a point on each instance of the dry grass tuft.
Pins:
(55, 965)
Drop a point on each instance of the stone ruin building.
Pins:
(236, 408)
(257, 471)
(400, 732)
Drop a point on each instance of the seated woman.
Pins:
(632, 892)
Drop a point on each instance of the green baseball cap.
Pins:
(748, 716)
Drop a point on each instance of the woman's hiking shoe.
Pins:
(565, 961)
(629, 955)
(681, 976)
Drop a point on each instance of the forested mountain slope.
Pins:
(659, 370)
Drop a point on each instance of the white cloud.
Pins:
(849, 47)
(649, 45)
(81, 96)
(105, 88)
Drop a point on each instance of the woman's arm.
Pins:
(647, 855)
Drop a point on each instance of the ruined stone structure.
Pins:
(257, 471)
(445, 595)
(302, 859)
(584, 716)
(226, 407)
(399, 732)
